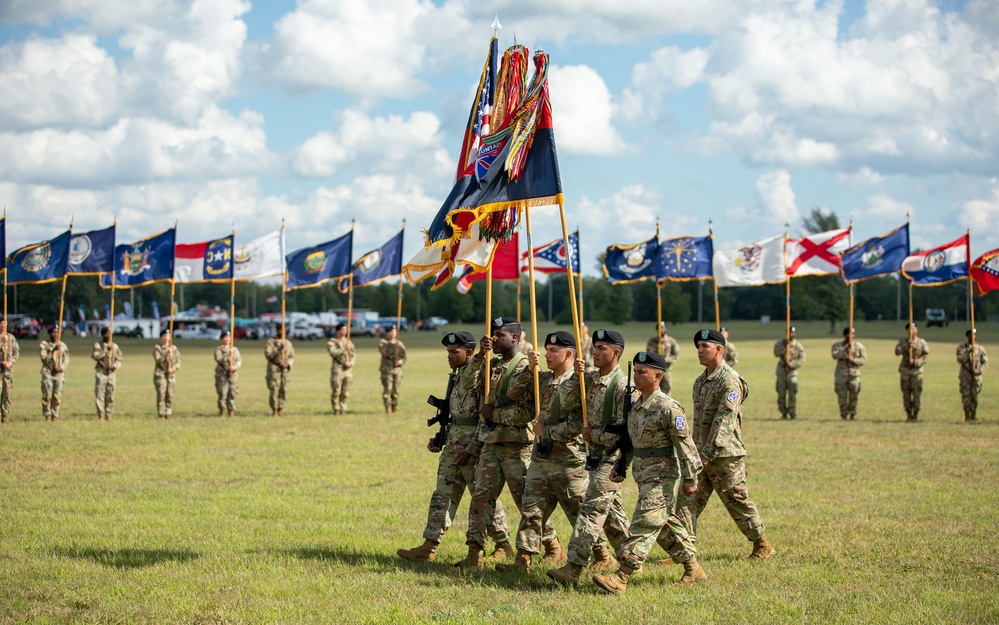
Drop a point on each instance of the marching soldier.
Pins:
(280, 355)
(850, 356)
(914, 352)
(393, 357)
(107, 361)
(344, 356)
(667, 347)
(55, 359)
(453, 479)
(11, 352)
(602, 511)
(731, 353)
(790, 355)
(166, 359)
(227, 364)
(973, 360)
(664, 452)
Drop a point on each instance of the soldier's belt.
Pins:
(654, 452)
(468, 421)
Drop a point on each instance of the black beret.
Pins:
(224, 334)
(164, 332)
(723, 329)
(340, 326)
(913, 324)
(462, 338)
(503, 322)
(390, 326)
(650, 359)
(970, 332)
(710, 336)
(608, 336)
(847, 329)
(794, 329)
(107, 330)
(561, 339)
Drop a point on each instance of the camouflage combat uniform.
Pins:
(787, 375)
(586, 351)
(341, 375)
(280, 355)
(452, 480)
(227, 382)
(107, 361)
(391, 374)
(52, 380)
(731, 355)
(165, 357)
(663, 452)
(848, 364)
(973, 360)
(11, 352)
(670, 351)
(602, 512)
(910, 372)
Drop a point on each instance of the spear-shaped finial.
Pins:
(496, 26)
(710, 226)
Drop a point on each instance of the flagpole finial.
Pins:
(537, 44)
(496, 26)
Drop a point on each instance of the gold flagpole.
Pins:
(532, 300)
(62, 295)
(851, 289)
(232, 300)
(971, 292)
(284, 287)
(787, 300)
(660, 348)
(3, 339)
(582, 309)
(398, 312)
(711, 235)
(575, 313)
(114, 274)
(489, 328)
(350, 296)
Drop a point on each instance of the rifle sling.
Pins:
(501, 398)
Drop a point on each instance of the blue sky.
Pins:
(749, 113)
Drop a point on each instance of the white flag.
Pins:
(755, 264)
(261, 257)
(817, 254)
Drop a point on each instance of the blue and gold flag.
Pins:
(684, 258)
(875, 256)
(3, 242)
(377, 265)
(91, 253)
(631, 263)
(143, 262)
(312, 266)
(39, 262)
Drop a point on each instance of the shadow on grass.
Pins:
(128, 558)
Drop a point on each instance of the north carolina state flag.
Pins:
(816, 254)
(985, 272)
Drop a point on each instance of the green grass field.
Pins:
(296, 519)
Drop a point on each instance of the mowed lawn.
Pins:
(296, 519)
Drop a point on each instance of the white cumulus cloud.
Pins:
(583, 112)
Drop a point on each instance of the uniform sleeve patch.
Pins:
(681, 422)
(734, 395)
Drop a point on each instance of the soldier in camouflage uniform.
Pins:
(227, 364)
(731, 353)
(280, 355)
(602, 512)
(718, 395)
(914, 352)
(166, 359)
(791, 355)
(107, 361)
(973, 360)
(850, 356)
(10, 353)
(344, 356)
(393, 357)
(586, 349)
(667, 347)
(55, 359)
(453, 480)
(502, 442)
(663, 452)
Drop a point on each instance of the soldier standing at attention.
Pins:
(586, 349)
(55, 359)
(452, 480)
(602, 508)
(667, 347)
(166, 359)
(280, 355)
(227, 364)
(664, 452)
(973, 360)
(914, 352)
(11, 351)
(731, 353)
(393, 357)
(107, 361)
(718, 395)
(344, 356)
(790, 355)
(850, 356)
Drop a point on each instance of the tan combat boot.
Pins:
(554, 553)
(502, 552)
(692, 574)
(280, 412)
(602, 559)
(427, 552)
(568, 575)
(616, 583)
(3, 418)
(762, 550)
(665, 561)
(521, 563)
(221, 413)
(474, 558)
(232, 413)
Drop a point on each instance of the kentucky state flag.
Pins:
(143, 262)
(208, 261)
(940, 265)
(312, 266)
(39, 262)
(876, 256)
(377, 265)
(631, 263)
(551, 257)
(684, 258)
(92, 253)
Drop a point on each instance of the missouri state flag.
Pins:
(816, 254)
(684, 258)
(312, 266)
(143, 262)
(92, 253)
(876, 256)
(39, 262)
(985, 272)
(208, 261)
(940, 265)
(552, 257)
(631, 263)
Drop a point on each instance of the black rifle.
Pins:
(443, 416)
(623, 444)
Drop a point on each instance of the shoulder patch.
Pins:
(734, 395)
(680, 422)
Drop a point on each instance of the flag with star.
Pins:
(684, 258)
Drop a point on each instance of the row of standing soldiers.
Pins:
(551, 458)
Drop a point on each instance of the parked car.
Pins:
(305, 331)
(197, 332)
(936, 317)
(433, 323)
(134, 333)
(359, 328)
(23, 326)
